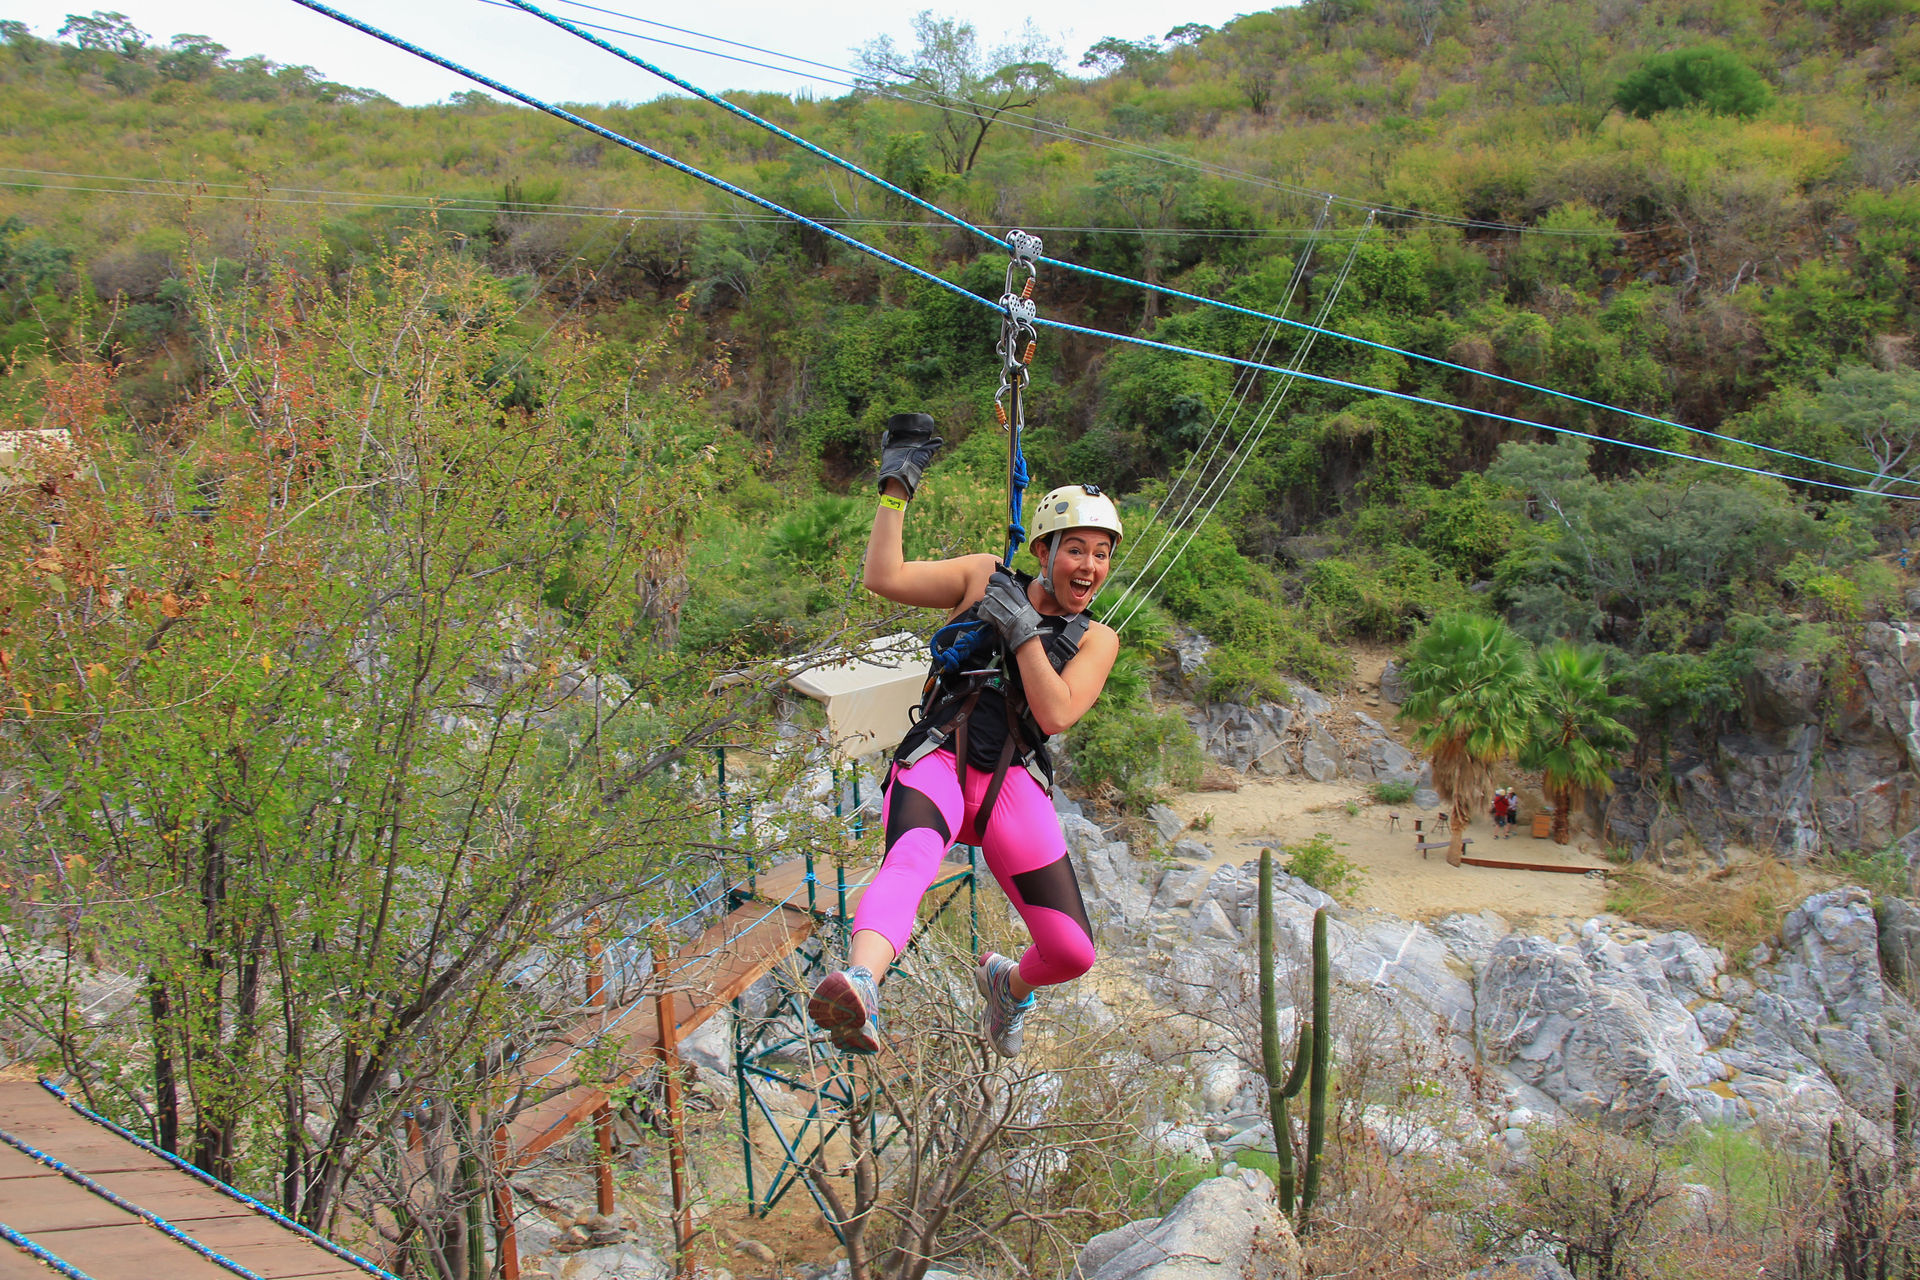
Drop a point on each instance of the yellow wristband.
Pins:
(896, 504)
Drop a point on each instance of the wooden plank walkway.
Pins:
(110, 1243)
(706, 976)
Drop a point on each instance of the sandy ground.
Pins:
(1285, 811)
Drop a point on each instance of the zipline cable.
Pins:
(1269, 411)
(1094, 273)
(930, 278)
(1177, 502)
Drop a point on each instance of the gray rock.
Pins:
(1899, 922)
(1309, 701)
(616, 1262)
(1192, 851)
(1224, 1229)
(1103, 1247)
(1210, 921)
(1426, 798)
(1252, 739)
(1393, 684)
(1190, 650)
(1528, 1266)
(1320, 758)
(1168, 823)
(1471, 938)
(1179, 888)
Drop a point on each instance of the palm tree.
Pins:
(1576, 738)
(1471, 698)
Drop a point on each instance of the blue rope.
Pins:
(72, 1174)
(929, 277)
(313, 1237)
(53, 1260)
(1111, 277)
(1442, 404)
(1016, 492)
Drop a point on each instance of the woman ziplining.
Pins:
(974, 767)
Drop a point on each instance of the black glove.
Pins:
(1006, 606)
(906, 448)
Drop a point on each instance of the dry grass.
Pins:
(1734, 908)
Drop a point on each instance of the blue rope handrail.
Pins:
(313, 1237)
(152, 1219)
(44, 1256)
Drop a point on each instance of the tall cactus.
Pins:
(1312, 1059)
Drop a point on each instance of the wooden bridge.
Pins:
(778, 912)
(108, 1208)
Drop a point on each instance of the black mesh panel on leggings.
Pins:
(1055, 887)
(907, 809)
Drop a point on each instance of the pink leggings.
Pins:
(1023, 848)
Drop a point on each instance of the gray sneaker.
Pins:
(846, 1005)
(1004, 1018)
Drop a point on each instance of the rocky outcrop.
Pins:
(1253, 739)
(1659, 1032)
(1311, 737)
(1226, 1228)
(1813, 765)
(1639, 1030)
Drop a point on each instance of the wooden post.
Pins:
(503, 1207)
(596, 971)
(603, 1164)
(676, 1127)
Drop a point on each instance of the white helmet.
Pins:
(1071, 506)
(1076, 506)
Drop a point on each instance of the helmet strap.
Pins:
(1046, 567)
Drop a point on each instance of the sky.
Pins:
(530, 55)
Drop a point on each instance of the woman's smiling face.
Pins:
(1079, 567)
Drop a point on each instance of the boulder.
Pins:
(1168, 823)
(1527, 1266)
(1393, 684)
(1227, 1228)
(1251, 739)
(1899, 922)
(1190, 650)
(1321, 758)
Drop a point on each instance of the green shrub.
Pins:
(1393, 792)
(1256, 643)
(1320, 865)
(1384, 598)
(1703, 76)
(1135, 750)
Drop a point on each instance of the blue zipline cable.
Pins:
(195, 1171)
(152, 1219)
(920, 273)
(42, 1255)
(1094, 273)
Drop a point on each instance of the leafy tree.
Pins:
(970, 87)
(1704, 76)
(1471, 701)
(1577, 736)
(105, 32)
(191, 58)
(323, 748)
(1113, 54)
(1143, 195)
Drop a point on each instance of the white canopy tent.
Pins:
(868, 698)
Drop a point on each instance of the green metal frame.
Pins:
(757, 1057)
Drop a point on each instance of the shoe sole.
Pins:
(837, 1009)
